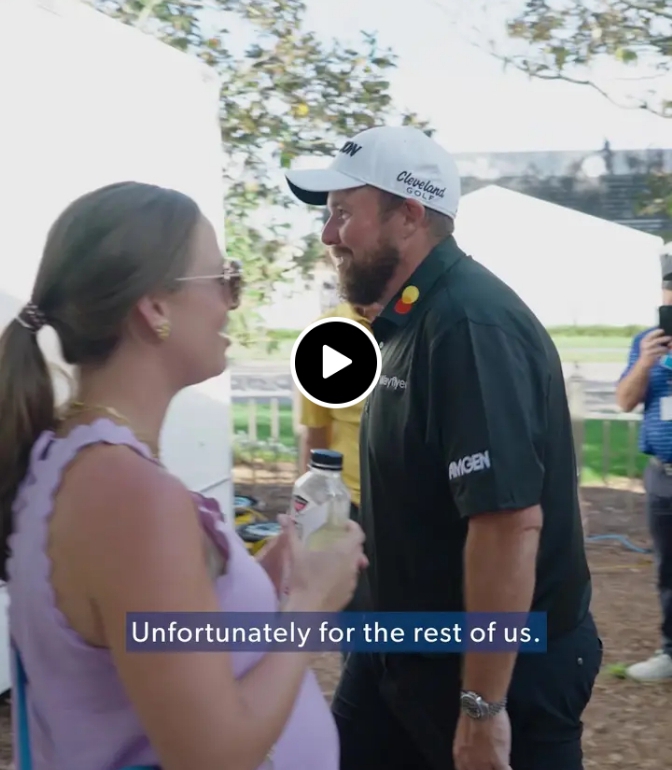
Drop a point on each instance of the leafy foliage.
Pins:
(658, 199)
(566, 37)
(287, 94)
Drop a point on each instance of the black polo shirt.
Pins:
(469, 416)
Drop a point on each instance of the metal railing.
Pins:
(271, 460)
(276, 452)
(576, 395)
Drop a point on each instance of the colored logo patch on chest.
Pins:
(408, 298)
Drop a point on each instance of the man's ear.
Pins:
(414, 216)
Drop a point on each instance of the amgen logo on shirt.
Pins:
(469, 464)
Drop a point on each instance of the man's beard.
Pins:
(363, 280)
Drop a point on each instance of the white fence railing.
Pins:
(277, 448)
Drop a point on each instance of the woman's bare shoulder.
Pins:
(116, 494)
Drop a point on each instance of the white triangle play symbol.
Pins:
(333, 361)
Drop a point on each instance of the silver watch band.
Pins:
(476, 707)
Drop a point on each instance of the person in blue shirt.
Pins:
(647, 379)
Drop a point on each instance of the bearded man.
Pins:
(469, 491)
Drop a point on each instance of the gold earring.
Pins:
(163, 331)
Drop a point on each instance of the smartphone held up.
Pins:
(665, 319)
(665, 324)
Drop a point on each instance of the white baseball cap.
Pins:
(398, 159)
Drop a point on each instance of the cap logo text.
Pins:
(420, 188)
(351, 149)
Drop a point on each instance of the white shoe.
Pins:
(655, 669)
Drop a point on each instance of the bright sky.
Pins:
(463, 91)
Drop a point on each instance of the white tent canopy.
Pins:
(570, 268)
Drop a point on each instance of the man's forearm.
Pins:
(500, 560)
(631, 390)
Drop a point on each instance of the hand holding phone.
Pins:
(665, 319)
(654, 345)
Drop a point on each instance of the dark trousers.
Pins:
(658, 486)
(399, 712)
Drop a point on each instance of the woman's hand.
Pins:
(324, 580)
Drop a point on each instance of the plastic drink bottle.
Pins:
(320, 505)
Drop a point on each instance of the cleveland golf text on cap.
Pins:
(400, 160)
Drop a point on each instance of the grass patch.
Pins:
(590, 356)
(263, 414)
(621, 443)
(623, 456)
(593, 349)
(584, 344)
(582, 348)
(596, 332)
(596, 343)
(618, 670)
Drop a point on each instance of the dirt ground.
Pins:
(626, 724)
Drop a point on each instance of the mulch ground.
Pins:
(627, 725)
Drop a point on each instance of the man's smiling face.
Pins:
(360, 242)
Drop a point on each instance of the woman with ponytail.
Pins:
(94, 527)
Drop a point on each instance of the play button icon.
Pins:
(332, 362)
(335, 362)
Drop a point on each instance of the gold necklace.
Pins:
(75, 408)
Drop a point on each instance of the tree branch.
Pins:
(664, 112)
(146, 13)
(659, 12)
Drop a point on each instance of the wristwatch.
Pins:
(475, 707)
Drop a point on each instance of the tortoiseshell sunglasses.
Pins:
(231, 276)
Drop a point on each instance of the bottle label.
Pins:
(308, 517)
(298, 504)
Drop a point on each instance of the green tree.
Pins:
(288, 94)
(569, 40)
(566, 37)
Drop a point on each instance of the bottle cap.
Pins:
(326, 459)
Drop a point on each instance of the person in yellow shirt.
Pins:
(337, 429)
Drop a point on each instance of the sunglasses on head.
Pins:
(231, 277)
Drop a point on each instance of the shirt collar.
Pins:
(412, 294)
